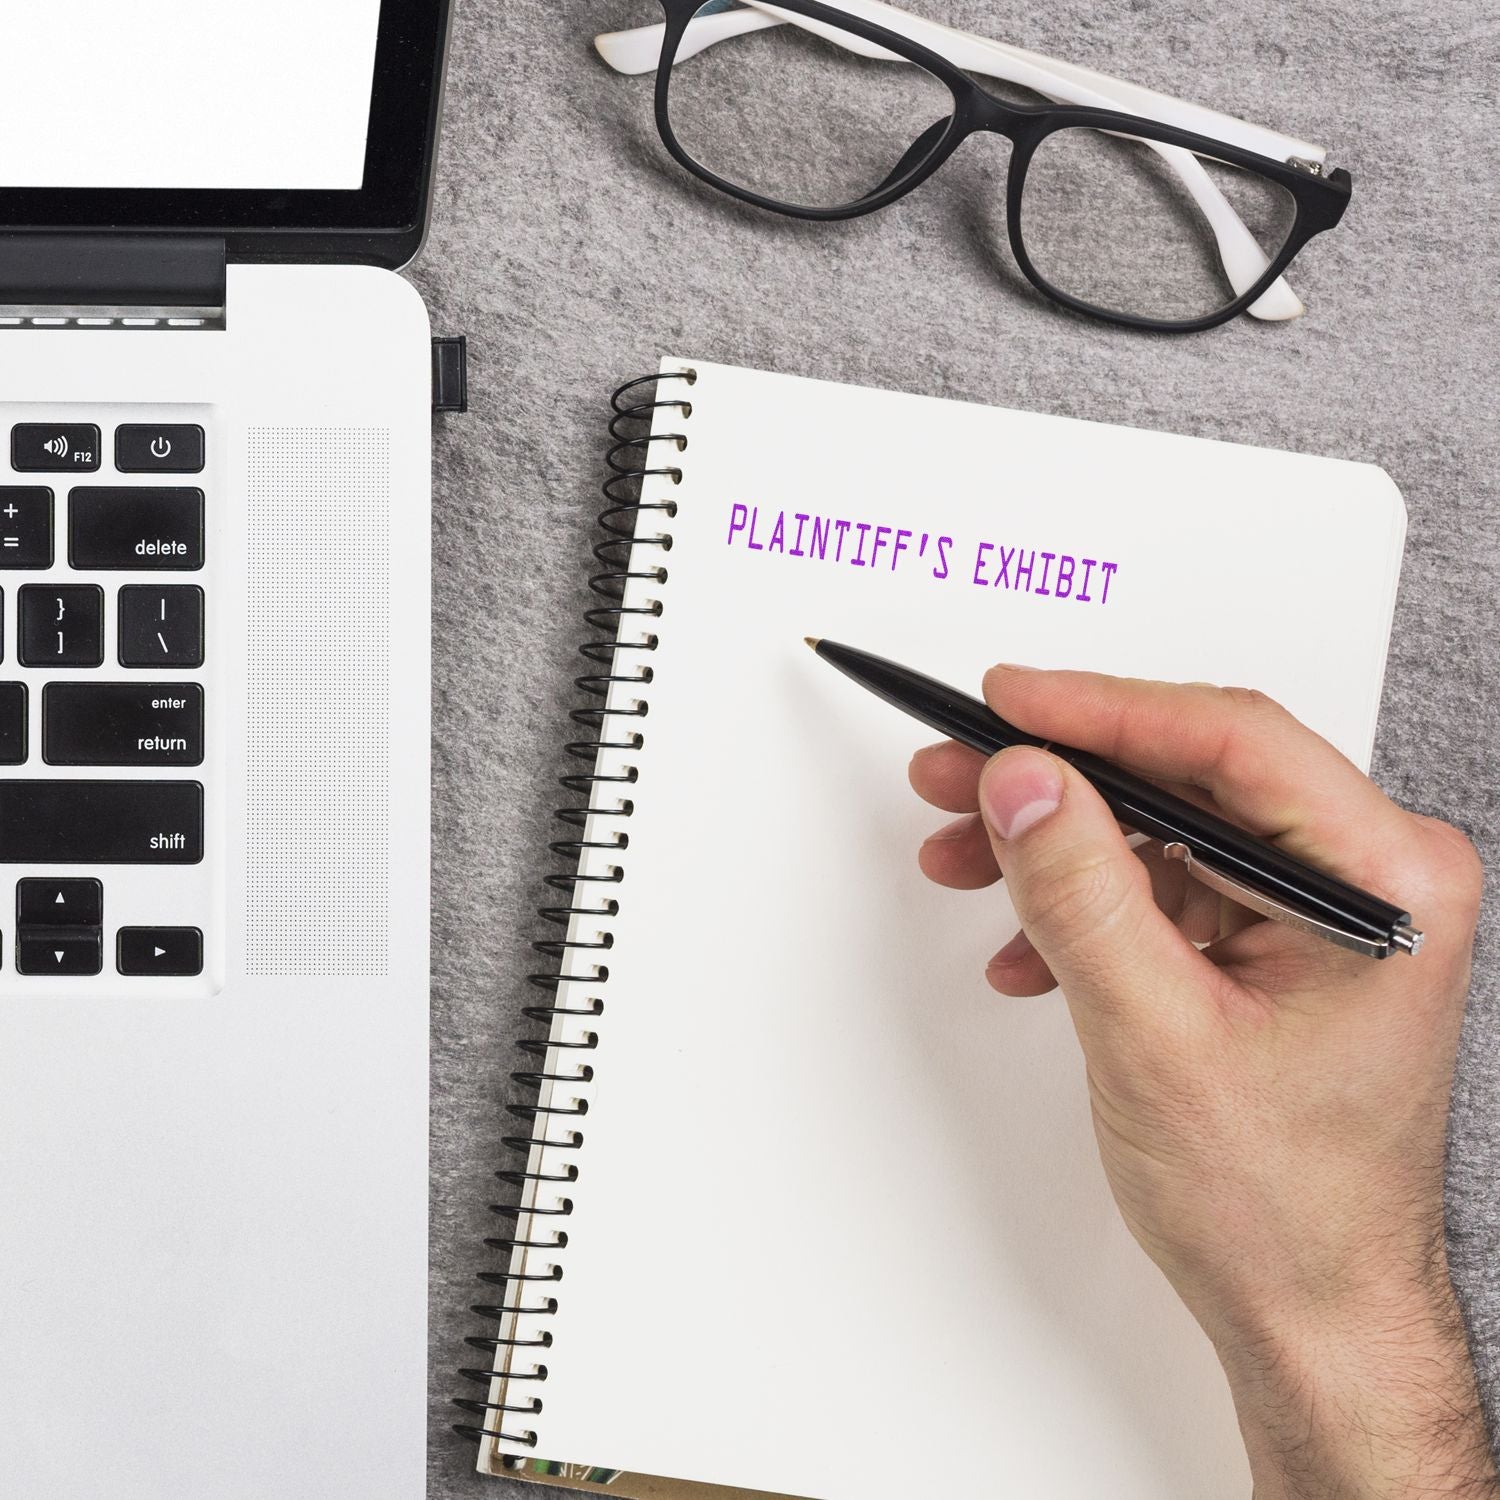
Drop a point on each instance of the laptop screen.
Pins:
(294, 129)
(186, 93)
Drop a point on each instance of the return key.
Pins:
(122, 724)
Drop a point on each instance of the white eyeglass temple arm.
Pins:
(638, 51)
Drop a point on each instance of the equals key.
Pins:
(161, 625)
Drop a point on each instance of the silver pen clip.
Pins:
(1405, 937)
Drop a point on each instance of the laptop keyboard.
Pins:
(108, 760)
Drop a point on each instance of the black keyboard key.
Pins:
(158, 449)
(101, 822)
(25, 526)
(61, 625)
(159, 950)
(59, 903)
(13, 726)
(135, 529)
(161, 626)
(52, 447)
(122, 724)
(78, 950)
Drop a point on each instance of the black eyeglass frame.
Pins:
(1319, 200)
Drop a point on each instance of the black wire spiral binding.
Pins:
(631, 463)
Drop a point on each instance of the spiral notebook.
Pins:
(804, 1208)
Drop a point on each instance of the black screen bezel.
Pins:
(379, 223)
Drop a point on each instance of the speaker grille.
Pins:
(318, 770)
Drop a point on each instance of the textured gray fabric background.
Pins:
(573, 254)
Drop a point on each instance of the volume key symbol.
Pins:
(58, 446)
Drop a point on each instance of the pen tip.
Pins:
(812, 641)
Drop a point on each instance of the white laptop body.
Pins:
(213, 1037)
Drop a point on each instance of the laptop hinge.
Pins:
(111, 280)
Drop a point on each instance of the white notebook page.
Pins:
(840, 1221)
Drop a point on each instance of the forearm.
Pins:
(1383, 1408)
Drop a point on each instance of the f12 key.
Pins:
(52, 447)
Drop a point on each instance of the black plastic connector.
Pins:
(450, 374)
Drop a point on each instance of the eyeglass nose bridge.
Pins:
(975, 112)
(981, 112)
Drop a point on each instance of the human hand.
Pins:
(1270, 1110)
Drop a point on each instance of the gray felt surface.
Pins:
(573, 254)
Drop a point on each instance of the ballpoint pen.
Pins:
(1237, 864)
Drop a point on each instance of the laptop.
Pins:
(215, 440)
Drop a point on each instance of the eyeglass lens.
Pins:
(1130, 225)
(790, 116)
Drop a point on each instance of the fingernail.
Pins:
(954, 830)
(1019, 788)
(1013, 952)
(1012, 666)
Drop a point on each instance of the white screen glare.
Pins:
(186, 93)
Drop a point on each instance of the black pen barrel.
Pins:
(1242, 856)
(945, 709)
(1137, 803)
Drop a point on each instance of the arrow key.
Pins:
(159, 951)
(57, 950)
(59, 903)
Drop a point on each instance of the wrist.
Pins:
(1372, 1400)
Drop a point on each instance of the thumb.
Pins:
(1084, 899)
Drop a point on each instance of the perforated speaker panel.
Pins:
(318, 767)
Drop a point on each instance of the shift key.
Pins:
(101, 822)
(137, 528)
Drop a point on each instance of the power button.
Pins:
(159, 449)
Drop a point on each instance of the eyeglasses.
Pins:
(1121, 203)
